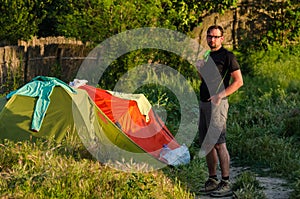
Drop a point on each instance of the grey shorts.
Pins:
(212, 122)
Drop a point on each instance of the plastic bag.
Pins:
(178, 156)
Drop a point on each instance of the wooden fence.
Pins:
(57, 57)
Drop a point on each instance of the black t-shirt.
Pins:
(216, 72)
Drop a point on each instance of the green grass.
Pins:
(263, 132)
(47, 170)
(265, 116)
(248, 187)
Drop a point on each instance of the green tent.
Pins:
(48, 108)
(16, 117)
(74, 114)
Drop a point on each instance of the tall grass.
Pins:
(47, 170)
(265, 115)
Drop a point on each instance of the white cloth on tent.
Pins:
(142, 102)
(77, 83)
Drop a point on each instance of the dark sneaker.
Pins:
(210, 185)
(223, 189)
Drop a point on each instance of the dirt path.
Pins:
(274, 188)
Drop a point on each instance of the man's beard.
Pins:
(212, 46)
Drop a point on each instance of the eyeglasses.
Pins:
(211, 37)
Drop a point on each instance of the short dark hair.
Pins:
(215, 27)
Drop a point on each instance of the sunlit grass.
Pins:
(47, 170)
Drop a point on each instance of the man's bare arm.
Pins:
(234, 86)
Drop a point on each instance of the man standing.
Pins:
(216, 73)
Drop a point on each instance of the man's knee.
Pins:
(220, 146)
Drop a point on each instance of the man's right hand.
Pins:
(200, 64)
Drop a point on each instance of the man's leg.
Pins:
(212, 182)
(224, 159)
(212, 162)
(224, 187)
(219, 120)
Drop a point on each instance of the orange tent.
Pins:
(146, 130)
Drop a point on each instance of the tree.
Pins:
(20, 19)
(279, 25)
(95, 20)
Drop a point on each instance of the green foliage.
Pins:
(20, 19)
(165, 104)
(247, 187)
(265, 143)
(296, 193)
(281, 27)
(264, 119)
(84, 20)
(146, 57)
(14, 77)
(53, 9)
(96, 20)
(193, 175)
(292, 124)
(277, 64)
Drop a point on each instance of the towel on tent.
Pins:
(40, 87)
